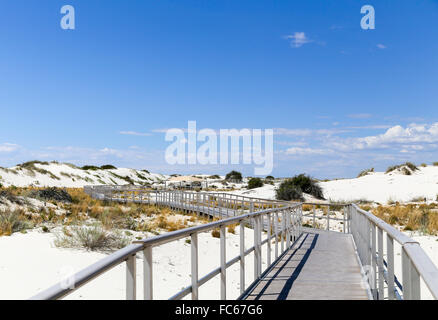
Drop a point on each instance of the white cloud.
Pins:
(298, 39)
(134, 133)
(8, 147)
(413, 135)
(307, 151)
(381, 46)
(307, 132)
(360, 116)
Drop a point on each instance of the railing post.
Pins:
(390, 266)
(256, 260)
(287, 228)
(276, 233)
(269, 240)
(242, 257)
(406, 275)
(328, 217)
(147, 271)
(415, 283)
(131, 283)
(373, 259)
(380, 262)
(259, 244)
(194, 265)
(344, 221)
(223, 264)
(283, 229)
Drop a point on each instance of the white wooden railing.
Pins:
(282, 223)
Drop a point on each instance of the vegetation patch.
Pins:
(234, 176)
(292, 189)
(365, 172)
(255, 183)
(411, 217)
(91, 238)
(51, 194)
(14, 221)
(406, 168)
(108, 167)
(289, 191)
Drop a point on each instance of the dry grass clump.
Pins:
(365, 172)
(307, 207)
(216, 233)
(14, 221)
(412, 217)
(407, 168)
(108, 215)
(91, 238)
(232, 228)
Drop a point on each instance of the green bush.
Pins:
(289, 191)
(90, 168)
(270, 178)
(301, 183)
(108, 167)
(234, 175)
(255, 183)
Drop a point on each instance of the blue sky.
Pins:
(340, 99)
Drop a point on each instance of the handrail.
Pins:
(367, 231)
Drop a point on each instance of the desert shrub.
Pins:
(365, 172)
(90, 168)
(14, 221)
(215, 233)
(31, 164)
(424, 165)
(255, 183)
(232, 228)
(234, 176)
(10, 196)
(215, 176)
(108, 167)
(404, 167)
(91, 238)
(307, 185)
(288, 190)
(53, 193)
(270, 178)
(435, 164)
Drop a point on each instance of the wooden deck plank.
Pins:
(321, 265)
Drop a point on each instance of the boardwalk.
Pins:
(320, 265)
(313, 264)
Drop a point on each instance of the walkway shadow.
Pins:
(289, 283)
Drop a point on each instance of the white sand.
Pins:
(31, 263)
(381, 187)
(64, 175)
